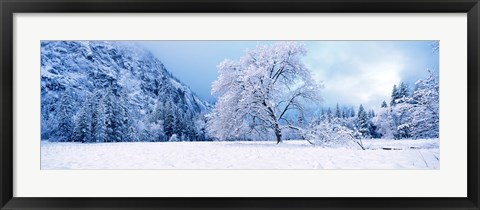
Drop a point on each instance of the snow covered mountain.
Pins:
(100, 91)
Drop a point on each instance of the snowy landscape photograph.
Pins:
(371, 105)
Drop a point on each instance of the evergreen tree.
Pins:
(395, 96)
(123, 117)
(329, 113)
(322, 115)
(174, 138)
(344, 113)
(385, 125)
(100, 123)
(180, 124)
(83, 124)
(116, 116)
(363, 122)
(337, 112)
(168, 125)
(95, 100)
(159, 113)
(403, 90)
(425, 111)
(384, 104)
(399, 94)
(110, 123)
(371, 113)
(64, 117)
(132, 133)
(352, 112)
(402, 112)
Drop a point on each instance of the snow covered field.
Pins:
(380, 154)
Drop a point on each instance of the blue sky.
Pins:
(353, 72)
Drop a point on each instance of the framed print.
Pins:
(102, 110)
(239, 105)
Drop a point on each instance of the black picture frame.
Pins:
(10, 7)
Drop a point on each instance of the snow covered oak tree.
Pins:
(256, 93)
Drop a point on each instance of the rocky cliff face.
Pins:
(97, 91)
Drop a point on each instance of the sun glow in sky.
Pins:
(353, 72)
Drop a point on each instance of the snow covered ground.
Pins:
(380, 154)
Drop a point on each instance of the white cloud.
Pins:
(359, 74)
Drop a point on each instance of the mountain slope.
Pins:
(96, 91)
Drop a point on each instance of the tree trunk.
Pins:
(278, 133)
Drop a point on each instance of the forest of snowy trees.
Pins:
(412, 113)
(269, 93)
(106, 92)
(95, 91)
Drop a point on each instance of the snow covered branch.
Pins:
(260, 89)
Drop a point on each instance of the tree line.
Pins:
(107, 116)
(410, 113)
